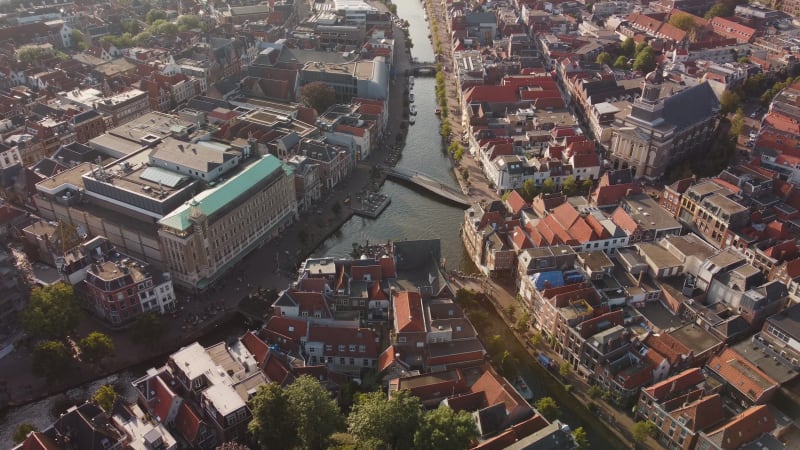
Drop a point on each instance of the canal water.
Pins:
(412, 214)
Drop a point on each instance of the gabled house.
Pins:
(745, 382)
(743, 429)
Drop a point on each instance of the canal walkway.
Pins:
(269, 267)
(504, 297)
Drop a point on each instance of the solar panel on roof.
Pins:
(163, 176)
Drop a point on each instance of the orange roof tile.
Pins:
(676, 384)
(741, 374)
(408, 312)
(743, 428)
(256, 346)
(515, 202)
(188, 422)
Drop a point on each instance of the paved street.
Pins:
(477, 186)
(257, 270)
(504, 296)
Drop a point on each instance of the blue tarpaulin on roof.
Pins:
(544, 280)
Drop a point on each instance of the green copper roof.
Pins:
(213, 199)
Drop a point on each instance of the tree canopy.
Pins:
(643, 429)
(724, 8)
(605, 58)
(729, 102)
(548, 408)
(52, 312)
(30, 54)
(645, 61)
(95, 347)
(318, 95)
(569, 187)
(581, 440)
(628, 47)
(271, 426)
(155, 14)
(445, 429)
(548, 186)
(385, 423)
(683, 21)
(22, 432)
(51, 359)
(621, 63)
(303, 415)
(105, 396)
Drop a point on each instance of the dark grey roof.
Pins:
(788, 321)
(477, 18)
(87, 428)
(491, 419)
(84, 116)
(10, 174)
(227, 85)
(691, 106)
(207, 104)
(621, 176)
(75, 153)
(48, 167)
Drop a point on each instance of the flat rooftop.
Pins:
(773, 368)
(660, 256)
(648, 213)
(118, 144)
(696, 338)
(70, 178)
(151, 124)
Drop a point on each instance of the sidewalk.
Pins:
(618, 422)
(270, 267)
(477, 185)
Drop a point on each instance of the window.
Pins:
(362, 348)
(365, 362)
(352, 348)
(341, 361)
(401, 340)
(328, 347)
(352, 362)
(341, 347)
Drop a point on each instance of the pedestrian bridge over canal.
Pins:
(427, 183)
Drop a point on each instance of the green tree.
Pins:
(142, 38)
(640, 47)
(581, 439)
(729, 102)
(51, 359)
(318, 95)
(605, 58)
(743, 60)
(385, 423)
(621, 63)
(154, 15)
(78, 40)
(683, 21)
(718, 10)
(31, 54)
(95, 347)
(167, 28)
(523, 323)
(628, 47)
(315, 413)
(147, 329)
(587, 186)
(445, 429)
(189, 22)
(645, 61)
(104, 397)
(465, 174)
(529, 190)
(548, 408)
(569, 187)
(548, 186)
(737, 123)
(595, 391)
(643, 429)
(564, 370)
(22, 432)
(272, 426)
(52, 312)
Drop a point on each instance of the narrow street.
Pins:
(611, 419)
(271, 266)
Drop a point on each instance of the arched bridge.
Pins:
(423, 181)
(423, 69)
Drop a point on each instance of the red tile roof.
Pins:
(408, 312)
(345, 336)
(288, 328)
(676, 384)
(513, 434)
(358, 272)
(623, 220)
(497, 390)
(730, 29)
(39, 441)
(668, 346)
(491, 94)
(313, 284)
(376, 293)
(164, 398)
(742, 375)
(702, 413)
(520, 239)
(256, 346)
(188, 422)
(388, 270)
(744, 428)
(387, 358)
(276, 370)
(515, 202)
